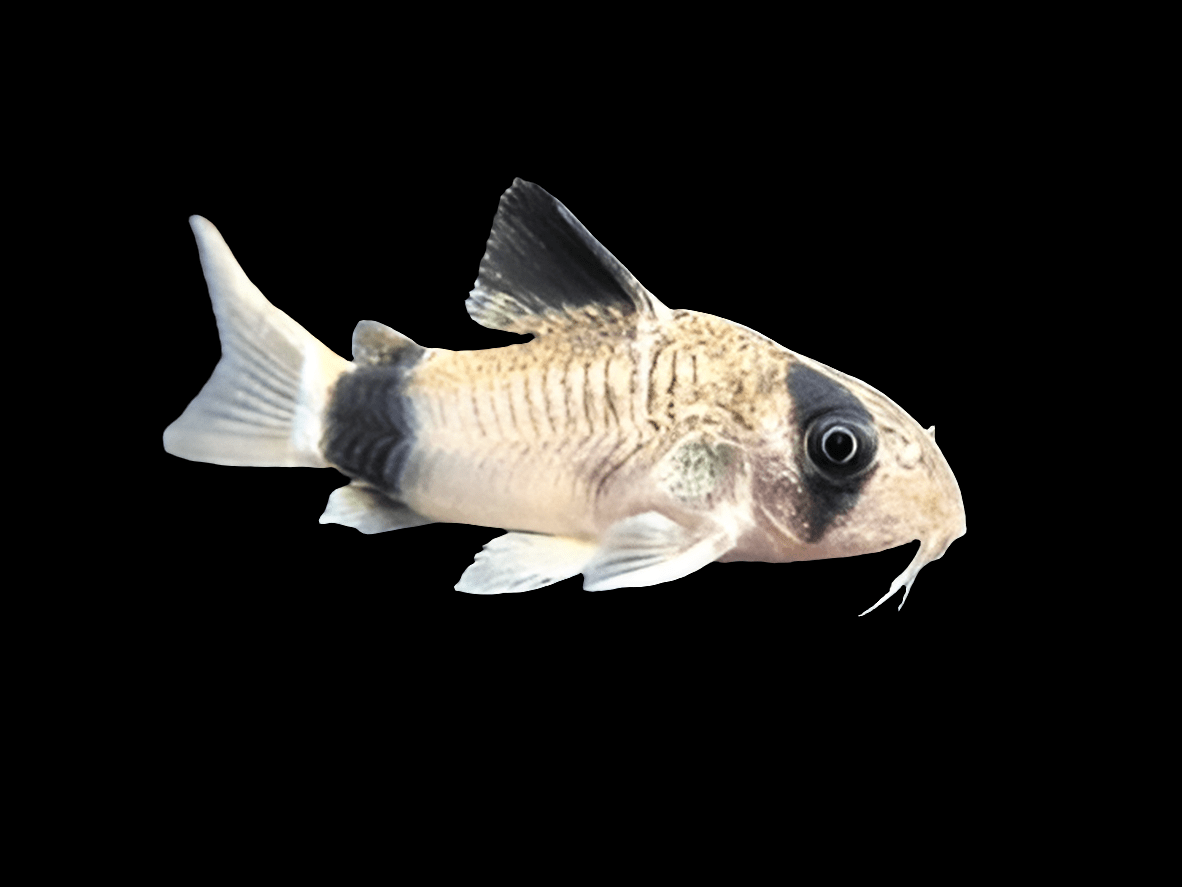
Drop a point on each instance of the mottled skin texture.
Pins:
(562, 433)
(910, 494)
(595, 421)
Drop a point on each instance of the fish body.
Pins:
(627, 441)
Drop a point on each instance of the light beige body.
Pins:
(571, 432)
(565, 434)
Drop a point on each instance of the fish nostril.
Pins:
(910, 455)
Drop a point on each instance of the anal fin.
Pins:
(649, 549)
(364, 508)
(524, 561)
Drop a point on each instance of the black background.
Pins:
(873, 204)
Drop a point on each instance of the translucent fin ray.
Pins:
(265, 401)
(649, 549)
(524, 561)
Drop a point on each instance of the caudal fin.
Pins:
(265, 402)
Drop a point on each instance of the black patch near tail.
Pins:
(369, 428)
(816, 398)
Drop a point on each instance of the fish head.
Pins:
(847, 471)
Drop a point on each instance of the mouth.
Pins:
(928, 551)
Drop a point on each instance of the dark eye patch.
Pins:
(836, 446)
(814, 394)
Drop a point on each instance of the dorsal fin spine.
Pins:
(542, 269)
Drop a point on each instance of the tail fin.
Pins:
(265, 402)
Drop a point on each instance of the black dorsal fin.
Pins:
(542, 269)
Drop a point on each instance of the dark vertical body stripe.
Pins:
(369, 429)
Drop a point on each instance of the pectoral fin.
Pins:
(365, 509)
(524, 561)
(649, 549)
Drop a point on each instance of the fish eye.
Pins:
(840, 446)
